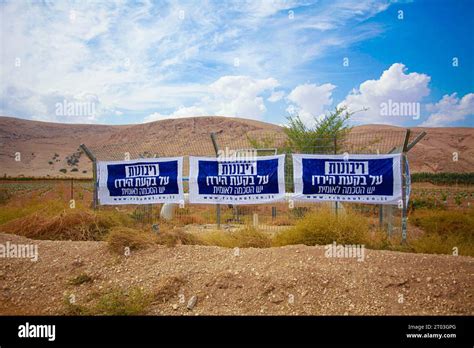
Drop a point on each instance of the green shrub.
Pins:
(458, 199)
(121, 302)
(72, 308)
(81, 279)
(116, 302)
(424, 203)
(444, 178)
(444, 197)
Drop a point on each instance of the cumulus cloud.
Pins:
(310, 100)
(181, 112)
(449, 109)
(236, 96)
(147, 56)
(239, 96)
(276, 96)
(394, 87)
(54, 106)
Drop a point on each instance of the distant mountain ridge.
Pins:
(46, 148)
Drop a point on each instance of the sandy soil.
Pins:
(292, 280)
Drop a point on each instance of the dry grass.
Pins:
(168, 288)
(445, 222)
(44, 215)
(245, 238)
(282, 221)
(120, 238)
(444, 231)
(189, 219)
(16, 209)
(175, 237)
(324, 227)
(69, 225)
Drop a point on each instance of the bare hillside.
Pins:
(46, 148)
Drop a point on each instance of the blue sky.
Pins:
(400, 63)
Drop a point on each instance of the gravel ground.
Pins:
(291, 280)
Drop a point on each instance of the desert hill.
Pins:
(47, 148)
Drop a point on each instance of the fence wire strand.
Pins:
(272, 217)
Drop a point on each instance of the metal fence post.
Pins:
(389, 218)
(218, 206)
(336, 203)
(381, 215)
(91, 156)
(404, 201)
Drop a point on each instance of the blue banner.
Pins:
(236, 181)
(356, 178)
(143, 181)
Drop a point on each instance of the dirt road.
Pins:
(291, 280)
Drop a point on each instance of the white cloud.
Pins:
(449, 109)
(235, 96)
(310, 100)
(142, 56)
(54, 106)
(394, 85)
(276, 96)
(182, 112)
(257, 9)
(239, 96)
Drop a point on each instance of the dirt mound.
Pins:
(291, 280)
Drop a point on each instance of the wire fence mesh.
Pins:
(159, 147)
(275, 216)
(270, 217)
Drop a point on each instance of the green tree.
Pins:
(325, 135)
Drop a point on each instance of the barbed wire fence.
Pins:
(276, 215)
(154, 148)
(270, 217)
